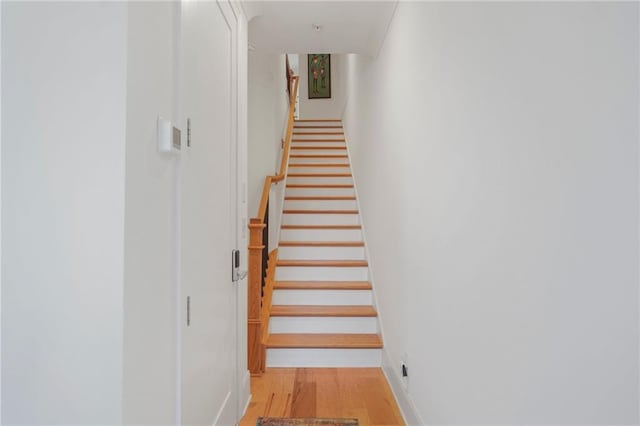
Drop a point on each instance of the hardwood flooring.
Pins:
(361, 393)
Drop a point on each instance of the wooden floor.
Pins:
(361, 393)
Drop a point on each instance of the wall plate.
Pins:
(169, 137)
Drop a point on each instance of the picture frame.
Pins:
(319, 75)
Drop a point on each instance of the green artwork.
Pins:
(319, 75)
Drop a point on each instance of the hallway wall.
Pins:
(495, 152)
(268, 114)
(150, 250)
(63, 179)
(91, 212)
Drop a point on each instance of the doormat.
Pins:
(281, 421)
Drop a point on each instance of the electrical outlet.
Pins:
(404, 371)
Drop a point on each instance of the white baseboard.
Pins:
(226, 414)
(405, 403)
(245, 393)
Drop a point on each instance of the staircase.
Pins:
(322, 312)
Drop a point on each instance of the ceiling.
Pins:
(346, 26)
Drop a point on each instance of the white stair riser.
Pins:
(320, 219)
(333, 144)
(317, 134)
(318, 151)
(308, 140)
(317, 180)
(332, 358)
(318, 125)
(321, 235)
(319, 192)
(321, 273)
(321, 253)
(323, 325)
(322, 297)
(316, 122)
(320, 169)
(320, 205)
(318, 130)
(315, 160)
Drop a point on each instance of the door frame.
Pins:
(235, 17)
(240, 40)
(232, 14)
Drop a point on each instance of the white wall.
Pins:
(294, 63)
(150, 216)
(324, 108)
(90, 213)
(497, 168)
(63, 165)
(268, 117)
(268, 114)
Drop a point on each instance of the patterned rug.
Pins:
(281, 421)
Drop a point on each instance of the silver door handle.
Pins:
(239, 275)
(236, 275)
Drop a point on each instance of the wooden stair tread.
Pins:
(323, 311)
(321, 227)
(321, 243)
(322, 285)
(317, 156)
(318, 133)
(323, 263)
(319, 185)
(335, 341)
(320, 211)
(319, 165)
(318, 147)
(317, 127)
(321, 198)
(320, 175)
(318, 140)
(306, 120)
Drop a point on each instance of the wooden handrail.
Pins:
(258, 305)
(262, 209)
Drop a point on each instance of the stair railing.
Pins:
(260, 283)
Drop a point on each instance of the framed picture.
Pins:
(319, 71)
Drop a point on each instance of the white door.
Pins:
(208, 218)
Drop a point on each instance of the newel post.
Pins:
(255, 350)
